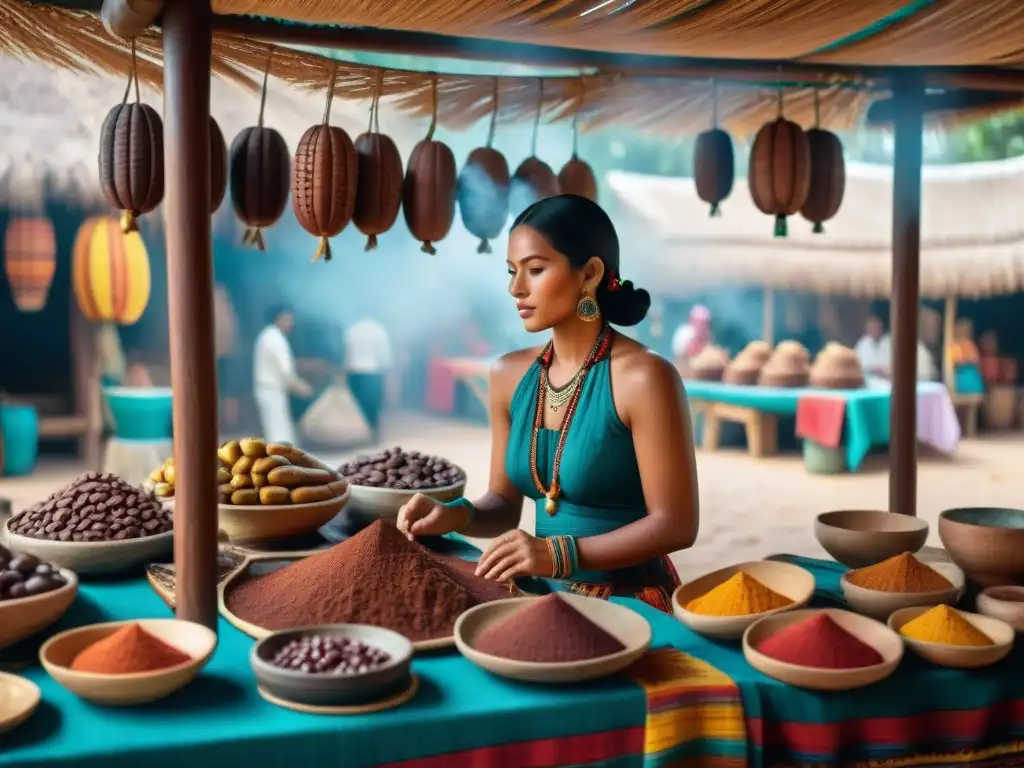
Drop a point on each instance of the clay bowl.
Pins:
(1005, 604)
(627, 626)
(783, 377)
(958, 656)
(739, 376)
(879, 605)
(94, 557)
(18, 700)
(861, 537)
(60, 650)
(986, 542)
(839, 380)
(787, 579)
(261, 523)
(868, 631)
(368, 504)
(328, 689)
(25, 616)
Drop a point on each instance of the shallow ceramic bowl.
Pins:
(1005, 604)
(986, 542)
(861, 537)
(262, 522)
(868, 631)
(627, 626)
(87, 558)
(786, 579)
(878, 604)
(958, 656)
(328, 689)
(24, 617)
(60, 650)
(368, 503)
(18, 700)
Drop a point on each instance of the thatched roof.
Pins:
(972, 234)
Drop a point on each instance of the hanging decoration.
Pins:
(483, 189)
(218, 166)
(30, 250)
(428, 191)
(324, 179)
(779, 175)
(258, 175)
(533, 180)
(828, 174)
(131, 159)
(714, 161)
(576, 176)
(110, 272)
(379, 176)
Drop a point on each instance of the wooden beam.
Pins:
(187, 53)
(885, 111)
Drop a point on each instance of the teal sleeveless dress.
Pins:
(600, 488)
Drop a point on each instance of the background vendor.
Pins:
(274, 377)
(691, 337)
(368, 361)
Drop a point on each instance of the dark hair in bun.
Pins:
(579, 229)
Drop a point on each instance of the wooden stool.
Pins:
(762, 428)
(969, 405)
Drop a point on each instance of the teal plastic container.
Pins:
(821, 460)
(19, 425)
(140, 413)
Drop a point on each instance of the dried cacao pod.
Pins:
(258, 176)
(828, 178)
(533, 180)
(779, 175)
(324, 184)
(483, 195)
(577, 178)
(428, 192)
(379, 185)
(132, 161)
(218, 166)
(714, 167)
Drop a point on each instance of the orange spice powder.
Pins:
(740, 595)
(902, 573)
(129, 650)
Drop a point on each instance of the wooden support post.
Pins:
(908, 127)
(768, 318)
(187, 52)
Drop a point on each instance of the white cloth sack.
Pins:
(335, 419)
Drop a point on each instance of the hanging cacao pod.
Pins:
(483, 195)
(379, 185)
(132, 161)
(428, 192)
(30, 250)
(828, 178)
(577, 178)
(218, 166)
(324, 184)
(714, 167)
(533, 180)
(258, 166)
(779, 175)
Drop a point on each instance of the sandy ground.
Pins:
(749, 507)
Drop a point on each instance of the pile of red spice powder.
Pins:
(547, 630)
(129, 650)
(377, 577)
(819, 642)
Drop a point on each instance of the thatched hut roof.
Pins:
(972, 234)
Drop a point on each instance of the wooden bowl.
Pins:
(879, 605)
(986, 542)
(959, 656)
(87, 558)
(60, 650)
(25, 616)
(787, 579)
(369, 503)
(628, 627)
(18, 700)
(861, 537)
(334, 690)
(264, 522)
(868, 631)
(1005, 604)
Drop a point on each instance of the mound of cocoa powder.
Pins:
(377, 577)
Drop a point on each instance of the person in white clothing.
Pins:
(274, 377)
(368, 359)
(874, 351)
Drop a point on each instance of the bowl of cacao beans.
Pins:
(33, 595)
(381, 483)
(97, 524)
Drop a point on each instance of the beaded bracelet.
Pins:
(564, 555)
(462, 501)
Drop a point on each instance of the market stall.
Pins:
(443, 375)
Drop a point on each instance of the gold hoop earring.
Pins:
(587, 309)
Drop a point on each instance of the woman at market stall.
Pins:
(592, 426)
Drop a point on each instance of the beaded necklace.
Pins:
(597, 353)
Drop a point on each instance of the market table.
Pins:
(689, 702)
(443, 374)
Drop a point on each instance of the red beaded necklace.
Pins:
(600, 350)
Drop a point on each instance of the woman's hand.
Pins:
(516, 553)
(422, 516)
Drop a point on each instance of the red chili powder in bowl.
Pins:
(377, 577)
(818, 641)
(547, 630)
(129, 650)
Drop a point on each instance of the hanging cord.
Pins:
(128, 217)
(253, 236)
(536, 119)
(714, 103)
(576, 117)
(323, 249)
(378, 88)
(495, 106)
(781, 230)
(427, 246)
(817, 110)
(263, 89)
